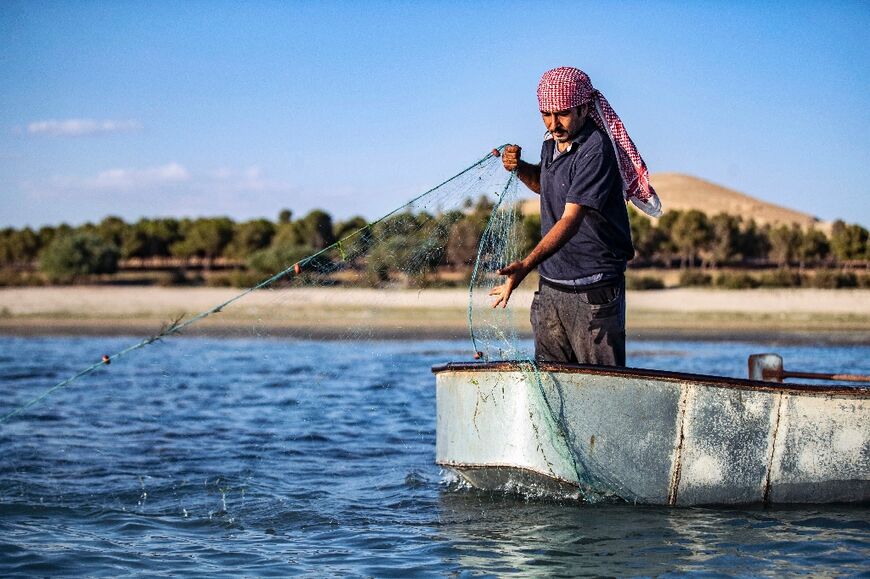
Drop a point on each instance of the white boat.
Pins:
(654, 437)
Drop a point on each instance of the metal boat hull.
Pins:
(652, 437)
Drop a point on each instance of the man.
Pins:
(588, 168)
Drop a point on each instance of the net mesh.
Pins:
(385, 278)
(457, 234)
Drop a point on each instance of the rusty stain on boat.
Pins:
(678, 450)
(772, 450)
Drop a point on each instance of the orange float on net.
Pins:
(106, 359)
(478, 355)
(496, 153)
(297, 269)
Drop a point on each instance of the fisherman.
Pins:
(589, 168)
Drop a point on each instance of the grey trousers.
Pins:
(585, 327)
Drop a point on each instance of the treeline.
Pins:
(206, 239)
(690, 238)
(419, 243)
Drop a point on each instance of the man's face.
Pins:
(563, 125)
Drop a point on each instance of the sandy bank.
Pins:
(98, 301)
(400, 313)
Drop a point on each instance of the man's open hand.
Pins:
(516, 273)
(510, 157)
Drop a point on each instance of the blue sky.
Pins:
(225, 108)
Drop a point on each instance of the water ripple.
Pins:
(253, 457)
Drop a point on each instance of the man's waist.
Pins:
(583, 284)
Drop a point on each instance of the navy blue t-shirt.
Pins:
(588, 174)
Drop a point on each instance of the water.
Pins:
(276, 457)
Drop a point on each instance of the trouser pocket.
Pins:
(602, 296)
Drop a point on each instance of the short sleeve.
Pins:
(592, 182)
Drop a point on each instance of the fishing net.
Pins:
(384, 278)
(317, 321)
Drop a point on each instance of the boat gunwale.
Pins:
(663, 375)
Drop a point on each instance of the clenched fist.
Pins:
(510, 157)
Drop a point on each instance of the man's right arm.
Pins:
(529, 174)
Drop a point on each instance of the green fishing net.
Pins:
(414, 272)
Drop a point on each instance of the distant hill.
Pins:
(684, 192)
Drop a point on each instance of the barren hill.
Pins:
(684, 192)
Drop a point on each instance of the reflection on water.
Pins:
(506, 535)
(281, 457)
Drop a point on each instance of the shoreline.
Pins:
(793, 316)
(137, 330)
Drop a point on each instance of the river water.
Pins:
(281, 457)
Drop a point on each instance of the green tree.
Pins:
(401, 247)
(430, 250)
(344, 228)
(205, 238)
(359, 243)
(463, 241)
(467, 227)
(294, 241)
(46, 233)
(648, 240)
(814, 247)
(667, 222)
(690, 234)
(112, 230)
(277, 258)
(402, 254)
(849, 242)
(19, 247)
(6, 257)
(754, 243)
(249, 237)
(725, 238)
(315, 229)
(287, 235)
(151, 238)
(72, 256)
(285, 216)
(400, 224)
(785, 241)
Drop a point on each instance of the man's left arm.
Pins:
(563, 230)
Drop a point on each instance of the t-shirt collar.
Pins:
(581, 136)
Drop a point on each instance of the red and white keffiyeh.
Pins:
(566, 87)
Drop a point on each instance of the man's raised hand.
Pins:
(510, 157)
